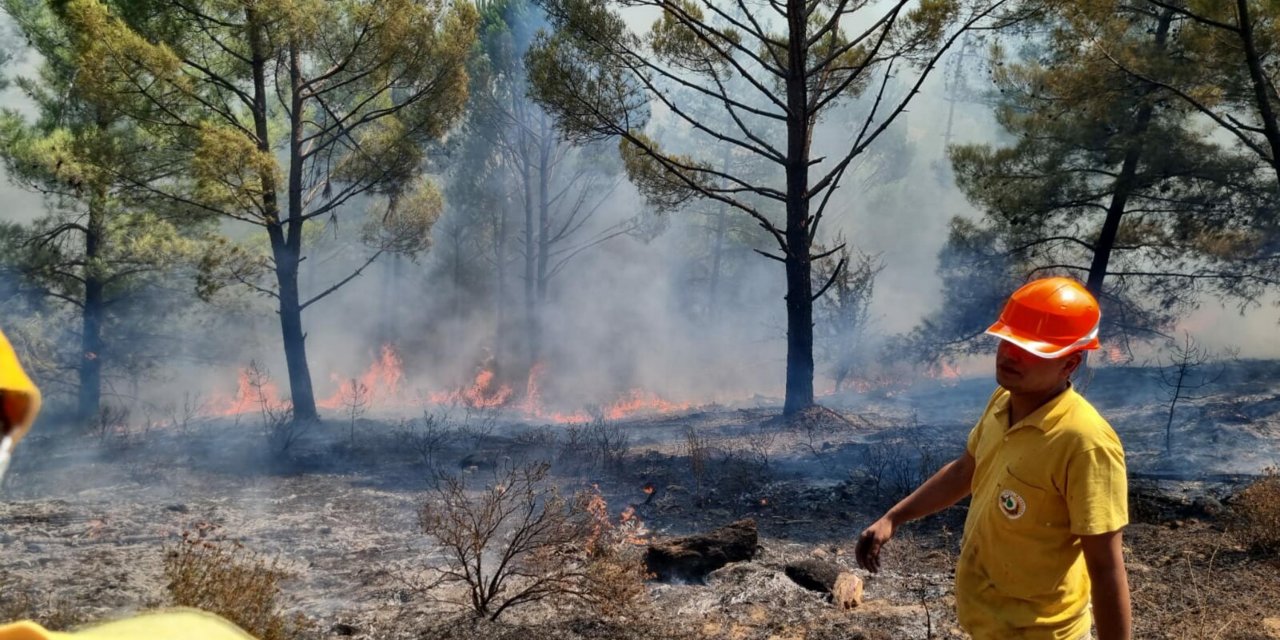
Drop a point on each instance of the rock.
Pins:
(691, 558)
(343, 629)
(842, 586)
(177, 508)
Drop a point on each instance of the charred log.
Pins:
(691, 558)
(843, 588)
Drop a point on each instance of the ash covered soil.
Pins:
(86, 519)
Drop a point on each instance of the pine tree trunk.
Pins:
(799, 395)
(530, 267)
(1125, 182)
(295, 345)
(285, 244)
(90, 369)
(545, 144)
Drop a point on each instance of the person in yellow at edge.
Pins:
(1047, 476)
(19, 404)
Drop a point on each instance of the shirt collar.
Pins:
(1044, 418)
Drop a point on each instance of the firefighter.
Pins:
(1042, 538)
(19, 404)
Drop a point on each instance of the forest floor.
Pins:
(86, 520)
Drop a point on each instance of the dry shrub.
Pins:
(614, 576)
(1258, 512)
(516, 541)
(224, 578)
(18, 601)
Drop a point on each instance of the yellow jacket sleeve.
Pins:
(174, 624)
(21, 398)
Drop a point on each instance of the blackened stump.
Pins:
(691, 558)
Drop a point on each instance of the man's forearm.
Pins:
(946, 487)
(1111, 608)
(1104, 555)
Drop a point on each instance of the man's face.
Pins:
(1022, 372)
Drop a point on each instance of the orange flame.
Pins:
(944, 371)
(631, 403)
(1113, 354)
(380, 382)
(254, 392)
(641, 401)
(382, 386)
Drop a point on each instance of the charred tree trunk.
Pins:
(799, 395)
(530, 269)
(500, 288)
(295, 346)
(94, 312)
(1263, 89)
(1125, 182)
(545, 145)
(285, 243)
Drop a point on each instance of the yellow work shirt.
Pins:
(174, 624)
(1038, 486)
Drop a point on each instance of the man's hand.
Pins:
(947, 487)
(869, 543)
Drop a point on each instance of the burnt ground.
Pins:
(87, 518)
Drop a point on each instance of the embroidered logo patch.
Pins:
(1012, 505)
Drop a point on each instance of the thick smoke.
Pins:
(624, 314)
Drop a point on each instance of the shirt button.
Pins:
(1006, 438)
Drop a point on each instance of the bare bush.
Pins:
(610, 444)
(536, 438)
(426, 438)
(478, 424)
(19, 601)
(698, 450)
(224, 578)
(510, 543)
(111, 421)
(1257, 508)
(597, 446)
(281, 429)
(760, 443)
(356, 397)
(893, 468)
(183, 416)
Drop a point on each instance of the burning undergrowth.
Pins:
(384, 386)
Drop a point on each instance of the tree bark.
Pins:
(545, 145)
(90, 369)
(530, 242)
(1261, 85)
(1125, 182)
(285, 247)
(799, 394)
(290, 258)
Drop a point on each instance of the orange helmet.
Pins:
(1050, 317)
